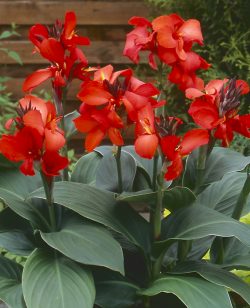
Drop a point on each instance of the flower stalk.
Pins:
(119, 168)
(48, 184)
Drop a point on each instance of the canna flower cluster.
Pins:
(37, 138)
(215, 108)
(169, 39)
(59, 45)
(107, 99)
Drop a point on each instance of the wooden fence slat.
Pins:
(88, 12)
(98, 52)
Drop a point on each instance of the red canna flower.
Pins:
(175, 148)
(141, 38)
(37, 138)
(59, 46)
(216, 109)
(104, 101)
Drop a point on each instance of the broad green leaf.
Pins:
(53, 281)
(10, 283)
(86, 243)
(106, 175)
(85, 168)
(222, 195)
(69, 126)
(146, 195)
(101, 206)
(16, 234)
(109, 282)
(124, 294)
(26, 209)
(177, 197)
(196, 222)
(13, 180)
(220, 162)
(142, 180)
(193, 292)
(216, 275)
(146, 164)
(173, 199)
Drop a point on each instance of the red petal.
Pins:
(204, 114)
(84, 123)
(52, 163)
(244, 86)
(27, 167)
(36, 78)
(192, 140)
(33, 118)
(37, 34)
(165, 38)
(169, 144)
(139, 21)
(52, 50)
(175, 169)
(69, 24)
(54, 140)
(104, 73)
(93, 139)
(191, 31)
(146, 145)
(115, 136)
(193, 93)
(93, 93)
(166, 20)
(225, 133)
(241, 125)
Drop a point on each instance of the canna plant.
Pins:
(97, 236)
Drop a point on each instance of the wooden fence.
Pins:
(104, 22)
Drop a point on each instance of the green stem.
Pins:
(154, 180)
(119, 169)
(242, 199)
(200, 166)
(158, 208)
(48, 184)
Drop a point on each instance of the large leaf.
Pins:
(215, 275)
(10, 283)
(193, 292)
(106, 175)
(177, 198)
(173, 199)
(101, 206)
(85, 168)
(13, 180)
(109, 282)
(124, 294)
(220, 162)
(222, 195)
(27, 209)
(53, 281)
(86, 243)
(196, 222)
(146, 164)
(16, 234)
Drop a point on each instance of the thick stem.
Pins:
(119, 168)
(200, 166)
(48, 184)
(60, 96)
(242, 199)
(157, 214)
